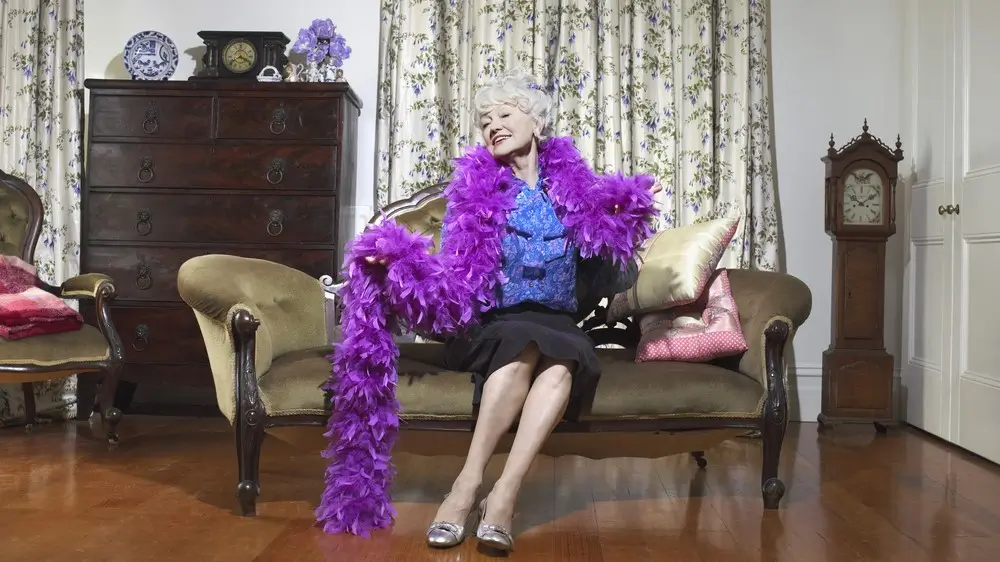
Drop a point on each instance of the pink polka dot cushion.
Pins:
(706, 329)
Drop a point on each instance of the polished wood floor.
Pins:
(167, 493)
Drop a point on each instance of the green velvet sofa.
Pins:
(266, 332)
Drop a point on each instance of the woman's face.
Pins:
(508, 131)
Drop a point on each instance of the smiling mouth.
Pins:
(499, 139)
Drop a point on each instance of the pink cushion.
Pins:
(706, 329)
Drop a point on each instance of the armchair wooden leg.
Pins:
(699, 457)
(28, 390)
(110, 415)
(86, 394)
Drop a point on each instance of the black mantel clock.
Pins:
(240, 55)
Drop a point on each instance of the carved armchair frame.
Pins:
(98, 288)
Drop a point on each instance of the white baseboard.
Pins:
(806, 393)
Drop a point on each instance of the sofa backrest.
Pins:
(422, 212)
(758, 294)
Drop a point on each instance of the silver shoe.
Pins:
(495, 536)
(442, 534)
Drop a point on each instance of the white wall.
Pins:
(834, 63)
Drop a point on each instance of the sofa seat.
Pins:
(428, 391)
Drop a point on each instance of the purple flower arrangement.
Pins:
(320, 41)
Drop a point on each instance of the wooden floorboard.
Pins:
(167, 493)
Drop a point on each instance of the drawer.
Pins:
(276, 119)
(149, 274)
(159, 334)
(180, 380)
(212, 218)
(211, 166)
(151, 117)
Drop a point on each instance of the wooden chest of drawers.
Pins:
(180, 169)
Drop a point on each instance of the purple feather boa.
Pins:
(445, 293)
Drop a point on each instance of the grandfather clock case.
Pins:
(860, 218)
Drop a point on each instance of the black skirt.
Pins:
(505, 333)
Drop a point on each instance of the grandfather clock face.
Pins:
(863, 198)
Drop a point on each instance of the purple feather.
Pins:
(444, 293)
(586, 201)
(365, 422)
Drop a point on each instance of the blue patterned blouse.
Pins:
(538, 259)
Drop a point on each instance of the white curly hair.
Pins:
(519, 89)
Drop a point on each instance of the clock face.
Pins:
(239, 56)
(863, 198)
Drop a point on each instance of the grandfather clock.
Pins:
(860, 217)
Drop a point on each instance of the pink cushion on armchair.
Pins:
(706, 329)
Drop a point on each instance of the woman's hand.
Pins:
(654, 190)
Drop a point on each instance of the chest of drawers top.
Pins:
(210, 111)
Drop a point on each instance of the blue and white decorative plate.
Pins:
(150, 55)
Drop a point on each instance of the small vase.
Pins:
(313, 72)
(330, 72)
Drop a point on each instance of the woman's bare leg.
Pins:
(503, 397)
(544, 407)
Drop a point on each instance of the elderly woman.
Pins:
(532, 237)
(528, 355)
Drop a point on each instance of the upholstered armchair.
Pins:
(94, 352)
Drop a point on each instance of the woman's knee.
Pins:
(554, 372)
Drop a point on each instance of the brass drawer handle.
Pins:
(276, 172)
(275, 224)
(151, 123)
(146, 172)
(144, 224)
(144, 277)
(278, 117)
(140, 337)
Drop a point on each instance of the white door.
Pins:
(927, 265)
(976, 363)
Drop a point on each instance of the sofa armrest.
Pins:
(250, 312)
(772, 306)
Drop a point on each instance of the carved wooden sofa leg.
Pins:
(699, 457)
(249, 418)
(248, 444)
(775, 416)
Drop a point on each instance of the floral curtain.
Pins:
(41, 70)
(675, 88)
